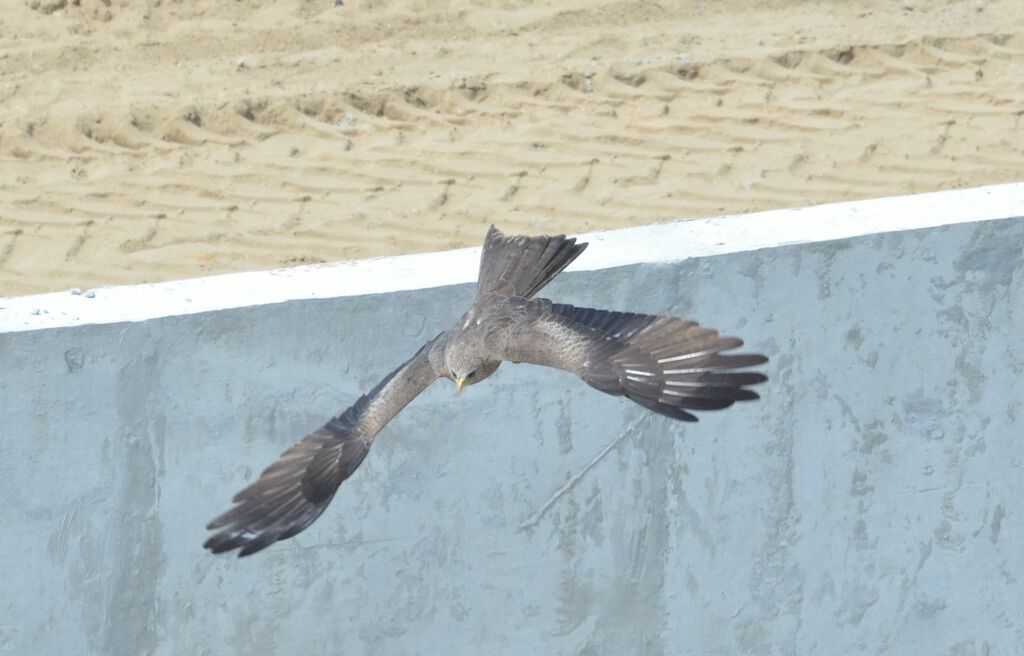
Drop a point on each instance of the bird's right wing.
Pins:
(295, 490)
(664, 363)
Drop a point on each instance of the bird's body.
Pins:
(666, 364)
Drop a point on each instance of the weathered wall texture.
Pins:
(871, 503)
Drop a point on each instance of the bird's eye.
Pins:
(470, 375)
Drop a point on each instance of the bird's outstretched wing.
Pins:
(664, 363)
(517, 265)
(291, 493)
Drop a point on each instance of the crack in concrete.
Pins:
(538, 515)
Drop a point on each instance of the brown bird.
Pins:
(664, 363)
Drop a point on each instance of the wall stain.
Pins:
(136, 558)
(997, 522)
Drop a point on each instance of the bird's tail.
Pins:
(517, 265)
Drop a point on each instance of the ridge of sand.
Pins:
(144, 141)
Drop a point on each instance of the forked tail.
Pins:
(517, 265)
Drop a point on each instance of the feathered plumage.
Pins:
(669, 365)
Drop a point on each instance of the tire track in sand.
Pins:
(256, 180)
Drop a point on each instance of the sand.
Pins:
(146, 140)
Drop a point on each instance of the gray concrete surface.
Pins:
(870, 504)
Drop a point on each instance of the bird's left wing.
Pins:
(295, 490)
(666, 364)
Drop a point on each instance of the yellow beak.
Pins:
(459, 384)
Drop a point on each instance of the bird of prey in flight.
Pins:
(669, 365)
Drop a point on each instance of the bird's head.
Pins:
(468, 368)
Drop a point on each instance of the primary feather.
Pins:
(295, 490)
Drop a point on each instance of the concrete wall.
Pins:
(870, 503)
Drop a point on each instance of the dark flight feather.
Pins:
(294, 491)
(666, 364)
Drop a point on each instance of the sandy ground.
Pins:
(147, 140)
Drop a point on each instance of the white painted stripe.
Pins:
(666, 242)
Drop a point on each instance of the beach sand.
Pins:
(143, 140)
